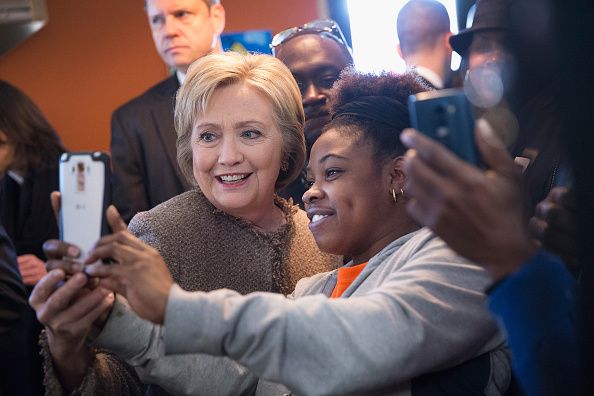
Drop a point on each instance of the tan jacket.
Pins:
(207, 249)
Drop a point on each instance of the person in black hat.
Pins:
(544, 334)
(484, 48)
(490, 21)
(536, 132)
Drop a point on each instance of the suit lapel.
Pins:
(162, 114)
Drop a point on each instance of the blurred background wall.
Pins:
(93, 56)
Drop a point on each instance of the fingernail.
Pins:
(406, 136)
(410, 153)
(89, 269)
(73, 251)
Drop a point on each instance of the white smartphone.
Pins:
(85, 187)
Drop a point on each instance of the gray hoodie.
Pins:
(416, 308)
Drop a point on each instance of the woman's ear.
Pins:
(396, 173)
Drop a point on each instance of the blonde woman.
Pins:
(240, 139)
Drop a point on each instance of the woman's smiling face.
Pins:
(237, 150)
(349, 203)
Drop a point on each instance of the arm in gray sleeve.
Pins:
(426, 315)
(140, 344)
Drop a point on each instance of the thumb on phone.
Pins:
(114, 220)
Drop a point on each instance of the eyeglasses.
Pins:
(317, 26)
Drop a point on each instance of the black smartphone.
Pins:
(446, 116)
(85, 187)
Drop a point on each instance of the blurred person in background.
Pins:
(518, 97)
(423, 28)
(315, 53)
(145, 172)
(30, 151)
(480, 212)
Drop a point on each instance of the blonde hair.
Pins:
(264, 73)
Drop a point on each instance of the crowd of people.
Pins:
(278, 227)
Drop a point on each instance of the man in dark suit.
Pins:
(145, 170)
(20, 366)
(423, 28)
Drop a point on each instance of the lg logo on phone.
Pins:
(80, 206)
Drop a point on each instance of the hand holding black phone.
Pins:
(446, 116)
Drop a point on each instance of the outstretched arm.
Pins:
(427, 316)
(140, 343)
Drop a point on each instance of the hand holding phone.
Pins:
(445, 116)
(85, 188)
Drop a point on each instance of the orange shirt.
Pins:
(346, 276)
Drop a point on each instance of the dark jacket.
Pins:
(26, 210)
(145, 171)
(539, 309)
(20, 366)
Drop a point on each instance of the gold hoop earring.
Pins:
(394, 197)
